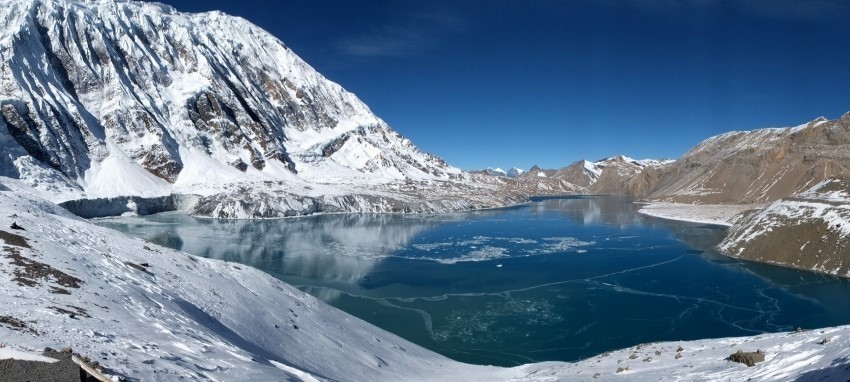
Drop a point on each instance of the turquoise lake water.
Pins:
(558, 279)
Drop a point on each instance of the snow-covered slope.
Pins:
(716, 214)
(105, 98)
(156, 314)
(810, 231)
(151, 313)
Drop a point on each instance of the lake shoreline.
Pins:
(715, 214)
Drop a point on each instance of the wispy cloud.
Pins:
(408, 34)
(790, 10)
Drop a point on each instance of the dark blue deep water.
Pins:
(559, 279)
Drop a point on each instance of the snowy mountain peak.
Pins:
(93, 90)
(512, 173)
(593, 170)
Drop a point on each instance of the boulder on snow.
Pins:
(747, 358)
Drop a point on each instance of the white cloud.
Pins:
(406, 35)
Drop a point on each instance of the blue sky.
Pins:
(515, 83)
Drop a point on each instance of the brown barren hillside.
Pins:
(757, 166)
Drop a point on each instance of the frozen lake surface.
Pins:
(559, 279)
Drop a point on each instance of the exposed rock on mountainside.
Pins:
(626, 176)
(581, 173)
(810, 230)
(110, 98)
(757, 166)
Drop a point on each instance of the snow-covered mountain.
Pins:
(514, 172)
(106, 98)
(492, 171)
(535, 172)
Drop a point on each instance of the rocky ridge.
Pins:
(756, 166)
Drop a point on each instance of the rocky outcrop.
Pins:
(809, 231)
(120, 205)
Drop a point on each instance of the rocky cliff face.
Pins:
(90, 90)
(758, 166)
(810, 230)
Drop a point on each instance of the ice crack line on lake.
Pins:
(700, 300)
(426, 317)
(507, 293)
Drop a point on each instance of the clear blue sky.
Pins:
(514, 83)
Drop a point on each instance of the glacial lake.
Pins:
(557, 279)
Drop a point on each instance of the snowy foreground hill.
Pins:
(153, 313)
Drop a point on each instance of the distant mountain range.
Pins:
(512, 173)
(606, 176)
